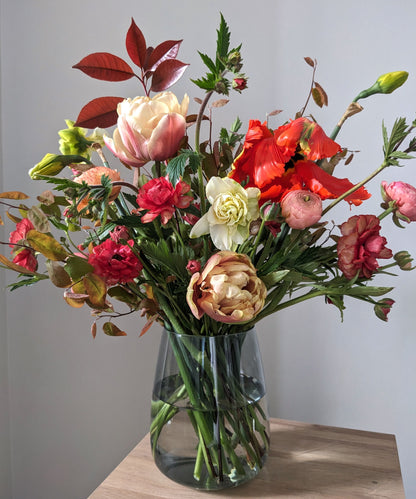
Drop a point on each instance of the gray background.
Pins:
(71, 407)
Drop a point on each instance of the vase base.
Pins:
(181, 470)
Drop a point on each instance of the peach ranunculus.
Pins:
(93, 177)
(404, 196)
(227, 289)
(232, 210)
(301, 209)
(148, 128)
(360, 246)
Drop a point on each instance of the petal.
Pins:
(201, 227)
(165, 138)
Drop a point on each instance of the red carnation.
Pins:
(360, 245)
(159, 197)
(115, 262)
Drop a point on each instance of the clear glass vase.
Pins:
(209, 420)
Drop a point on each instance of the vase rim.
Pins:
(252, 329)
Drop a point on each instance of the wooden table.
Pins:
(305, 460)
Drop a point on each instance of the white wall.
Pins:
(78, 406)
(5, 455)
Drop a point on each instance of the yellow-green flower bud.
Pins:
(75, 141)
(385, 84)
(52, 164)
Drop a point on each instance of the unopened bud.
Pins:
(270, 211)
(404, 260)
(385, 84)
(383, 307)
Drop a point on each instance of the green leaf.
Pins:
(57, 274)
(176, 166)
(47, 245)
(274, 277)
(111, 329)
(223, 39)
(77, 267)
(208, 62)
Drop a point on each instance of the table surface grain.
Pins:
(305, 460)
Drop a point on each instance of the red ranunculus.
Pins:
(115, 262)
(283, 160)
(22, 228)
(360, 246)
(159, 197)
(26, 258)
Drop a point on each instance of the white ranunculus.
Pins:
(232, 210)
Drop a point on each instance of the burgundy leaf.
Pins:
(136, 45)
(164, 51)
(100, 112)
(105, 66)
(167, 73)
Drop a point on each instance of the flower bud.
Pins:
(239, 83)
(50, 165)
(221, 87)
(385, 84)
(382, 308)
(269, 211)
(74, 140)
(234, 61)
(404, 260)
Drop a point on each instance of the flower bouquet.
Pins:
(205, 237)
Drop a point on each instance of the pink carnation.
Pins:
(360, 246)
(159, 197)
(115, 262)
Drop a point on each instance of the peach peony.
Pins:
(228, 289)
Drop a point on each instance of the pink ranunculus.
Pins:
(148, 128)
(159, 197)
(360, 246)
(227, 289)
(119, 232)
(22, 228)
(26, 258)
(193, 266)
(301, 209)
(405, 197)
(116, 263)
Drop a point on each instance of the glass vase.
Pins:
(209, 421)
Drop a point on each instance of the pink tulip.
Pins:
(301, 209)
(148, 129)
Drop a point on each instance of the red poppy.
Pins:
(283, 160)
